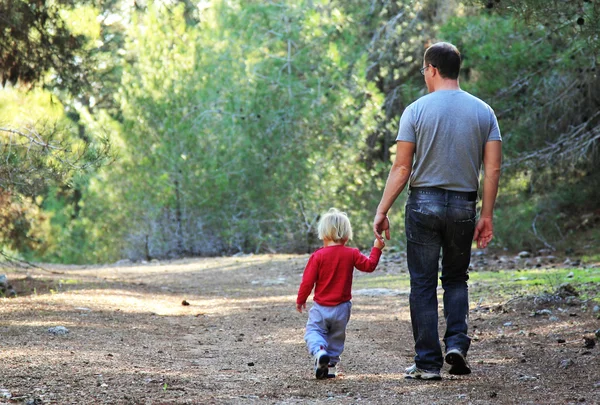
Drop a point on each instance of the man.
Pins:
(449, 133)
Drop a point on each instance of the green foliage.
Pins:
(40, 148)
(562, 218)
(35, 39)
(44, 44)
(240, 147)
(238, 122)
(572, 21)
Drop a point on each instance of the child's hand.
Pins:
(379, 244)
(299, 307)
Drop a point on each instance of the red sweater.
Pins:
(330, 270)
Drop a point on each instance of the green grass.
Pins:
(400, 282)
(510, 283)
(593, 258)
(506, 283)
(69, 281)
(537, 276)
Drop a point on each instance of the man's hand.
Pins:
(381, 223)
(300, 307)
(484, 232)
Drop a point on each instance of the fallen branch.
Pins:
(24, 264)
(546, 244)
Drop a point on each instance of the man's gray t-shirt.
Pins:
(449, 129)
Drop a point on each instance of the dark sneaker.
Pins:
(415, 373)
(458, 362)
(321, 364)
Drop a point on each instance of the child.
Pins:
(329, 270)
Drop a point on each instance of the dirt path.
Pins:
(239, 341)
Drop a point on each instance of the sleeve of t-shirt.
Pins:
(494, 134)
(406, 132)
(309, 278)
(364, 263)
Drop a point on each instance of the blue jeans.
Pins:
(439, 220)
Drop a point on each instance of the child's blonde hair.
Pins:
(335, 226)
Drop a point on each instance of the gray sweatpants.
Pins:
(326, 329)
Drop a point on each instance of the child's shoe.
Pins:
(332, 370)
(321, 364)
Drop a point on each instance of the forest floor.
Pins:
(133, 340)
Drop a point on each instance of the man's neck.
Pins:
(447, 85)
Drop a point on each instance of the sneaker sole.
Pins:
(433, 377)
(331, 371)
(458, 364)
(322, 370)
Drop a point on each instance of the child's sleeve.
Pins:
(367, 264)
(309, 278)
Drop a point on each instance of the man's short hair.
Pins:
(445, 57)
(335, 225)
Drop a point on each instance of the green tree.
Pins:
(559, 89)
(239, 147)
(41, 147)
(34, 40)
(35, 154)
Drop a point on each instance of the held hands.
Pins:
(300, 307)
(379, 244)
(381, 223)
(484, 232)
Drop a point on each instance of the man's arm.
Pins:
(397, 179)
(492, 161)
